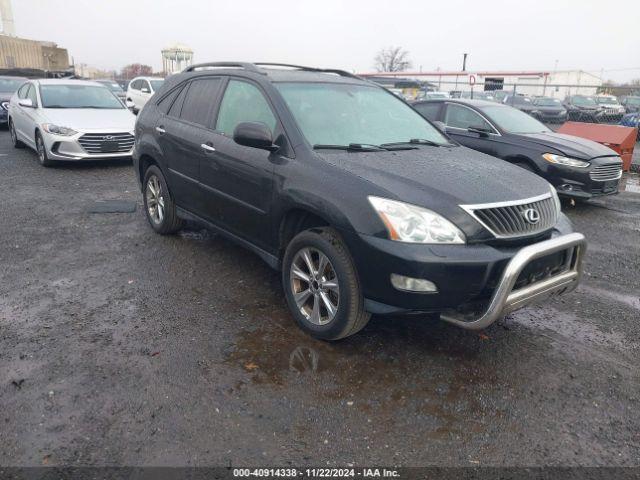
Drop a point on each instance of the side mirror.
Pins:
(129, 103)
(255, 135)
(482, 131)
(144, 90)
(26, 102)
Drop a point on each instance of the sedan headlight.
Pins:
(566, 161)
(412, 224)
(57, 130)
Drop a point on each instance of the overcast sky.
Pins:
(505, 35)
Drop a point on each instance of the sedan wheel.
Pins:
(42, 152)
(315, 286)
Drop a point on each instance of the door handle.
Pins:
(160, 130)
(207, 148)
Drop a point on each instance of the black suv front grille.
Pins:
(101, 143)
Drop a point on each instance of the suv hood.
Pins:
(83, 119)
(440, 178)
(569, 145)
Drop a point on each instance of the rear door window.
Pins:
(165, 104)
(243, 102)
(176, 107)
(200, 101)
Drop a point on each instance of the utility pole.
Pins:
(464, 62)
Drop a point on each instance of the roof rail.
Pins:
(342, 73)
(245, 65)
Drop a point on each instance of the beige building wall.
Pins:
(23, 53)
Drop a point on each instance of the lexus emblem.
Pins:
(531, 215)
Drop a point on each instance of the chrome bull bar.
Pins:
(505, 299)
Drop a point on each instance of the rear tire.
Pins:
(41, 150)
(158, 203)
(14, 136)
(321, 285)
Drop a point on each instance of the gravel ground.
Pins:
(122, 347)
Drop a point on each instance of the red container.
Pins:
(616, 137)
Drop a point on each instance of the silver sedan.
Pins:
(70, 120)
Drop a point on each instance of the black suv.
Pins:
(363, 204)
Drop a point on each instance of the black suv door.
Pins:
(460, 118)
(237, 181)
(185, 136)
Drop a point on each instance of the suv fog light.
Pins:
(413, 284)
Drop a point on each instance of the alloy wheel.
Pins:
(315, 286)
(155, 200)
(42, 156)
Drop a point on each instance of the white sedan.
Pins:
(70, 120)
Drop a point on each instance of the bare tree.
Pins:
(392, 59)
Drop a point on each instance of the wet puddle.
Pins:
(395, 366)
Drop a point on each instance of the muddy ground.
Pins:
(122, 347)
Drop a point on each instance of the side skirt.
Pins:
(271, 260)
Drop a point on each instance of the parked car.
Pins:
(613, 111)
(582, 108)
(363, 205)
(141, 89)
(8, 86)
(479, 96)
(498, 95)
(577, 167)
(549, 110)
(115, 88)
(632, 120)
(70, 120)
(631, 104)
(521, 102)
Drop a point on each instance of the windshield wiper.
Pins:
(417, 141)
(352, 147)
(54, 106)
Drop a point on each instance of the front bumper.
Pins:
(578, 183)
(468, 277)
(69, 148)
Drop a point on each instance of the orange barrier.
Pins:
(616, 137)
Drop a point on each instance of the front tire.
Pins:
(321, 285)
(14, 136)
(41, 150)
(158, 204)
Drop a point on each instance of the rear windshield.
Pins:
(341, 114)
(78, 96)
(512, 120)
(156, 84)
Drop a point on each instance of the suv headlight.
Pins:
(412, 224)
(566, 161)
(57, 130)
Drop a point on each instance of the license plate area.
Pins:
(610, 186)
(109, 146)
(542, 268)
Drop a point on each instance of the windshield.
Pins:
(10, 84)
(547, 102)
(607, 100)
(512, 120)
(633, 101)
(341, 114)
(113, 86)
(156, 84)
(78, 96)
(584, 101)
